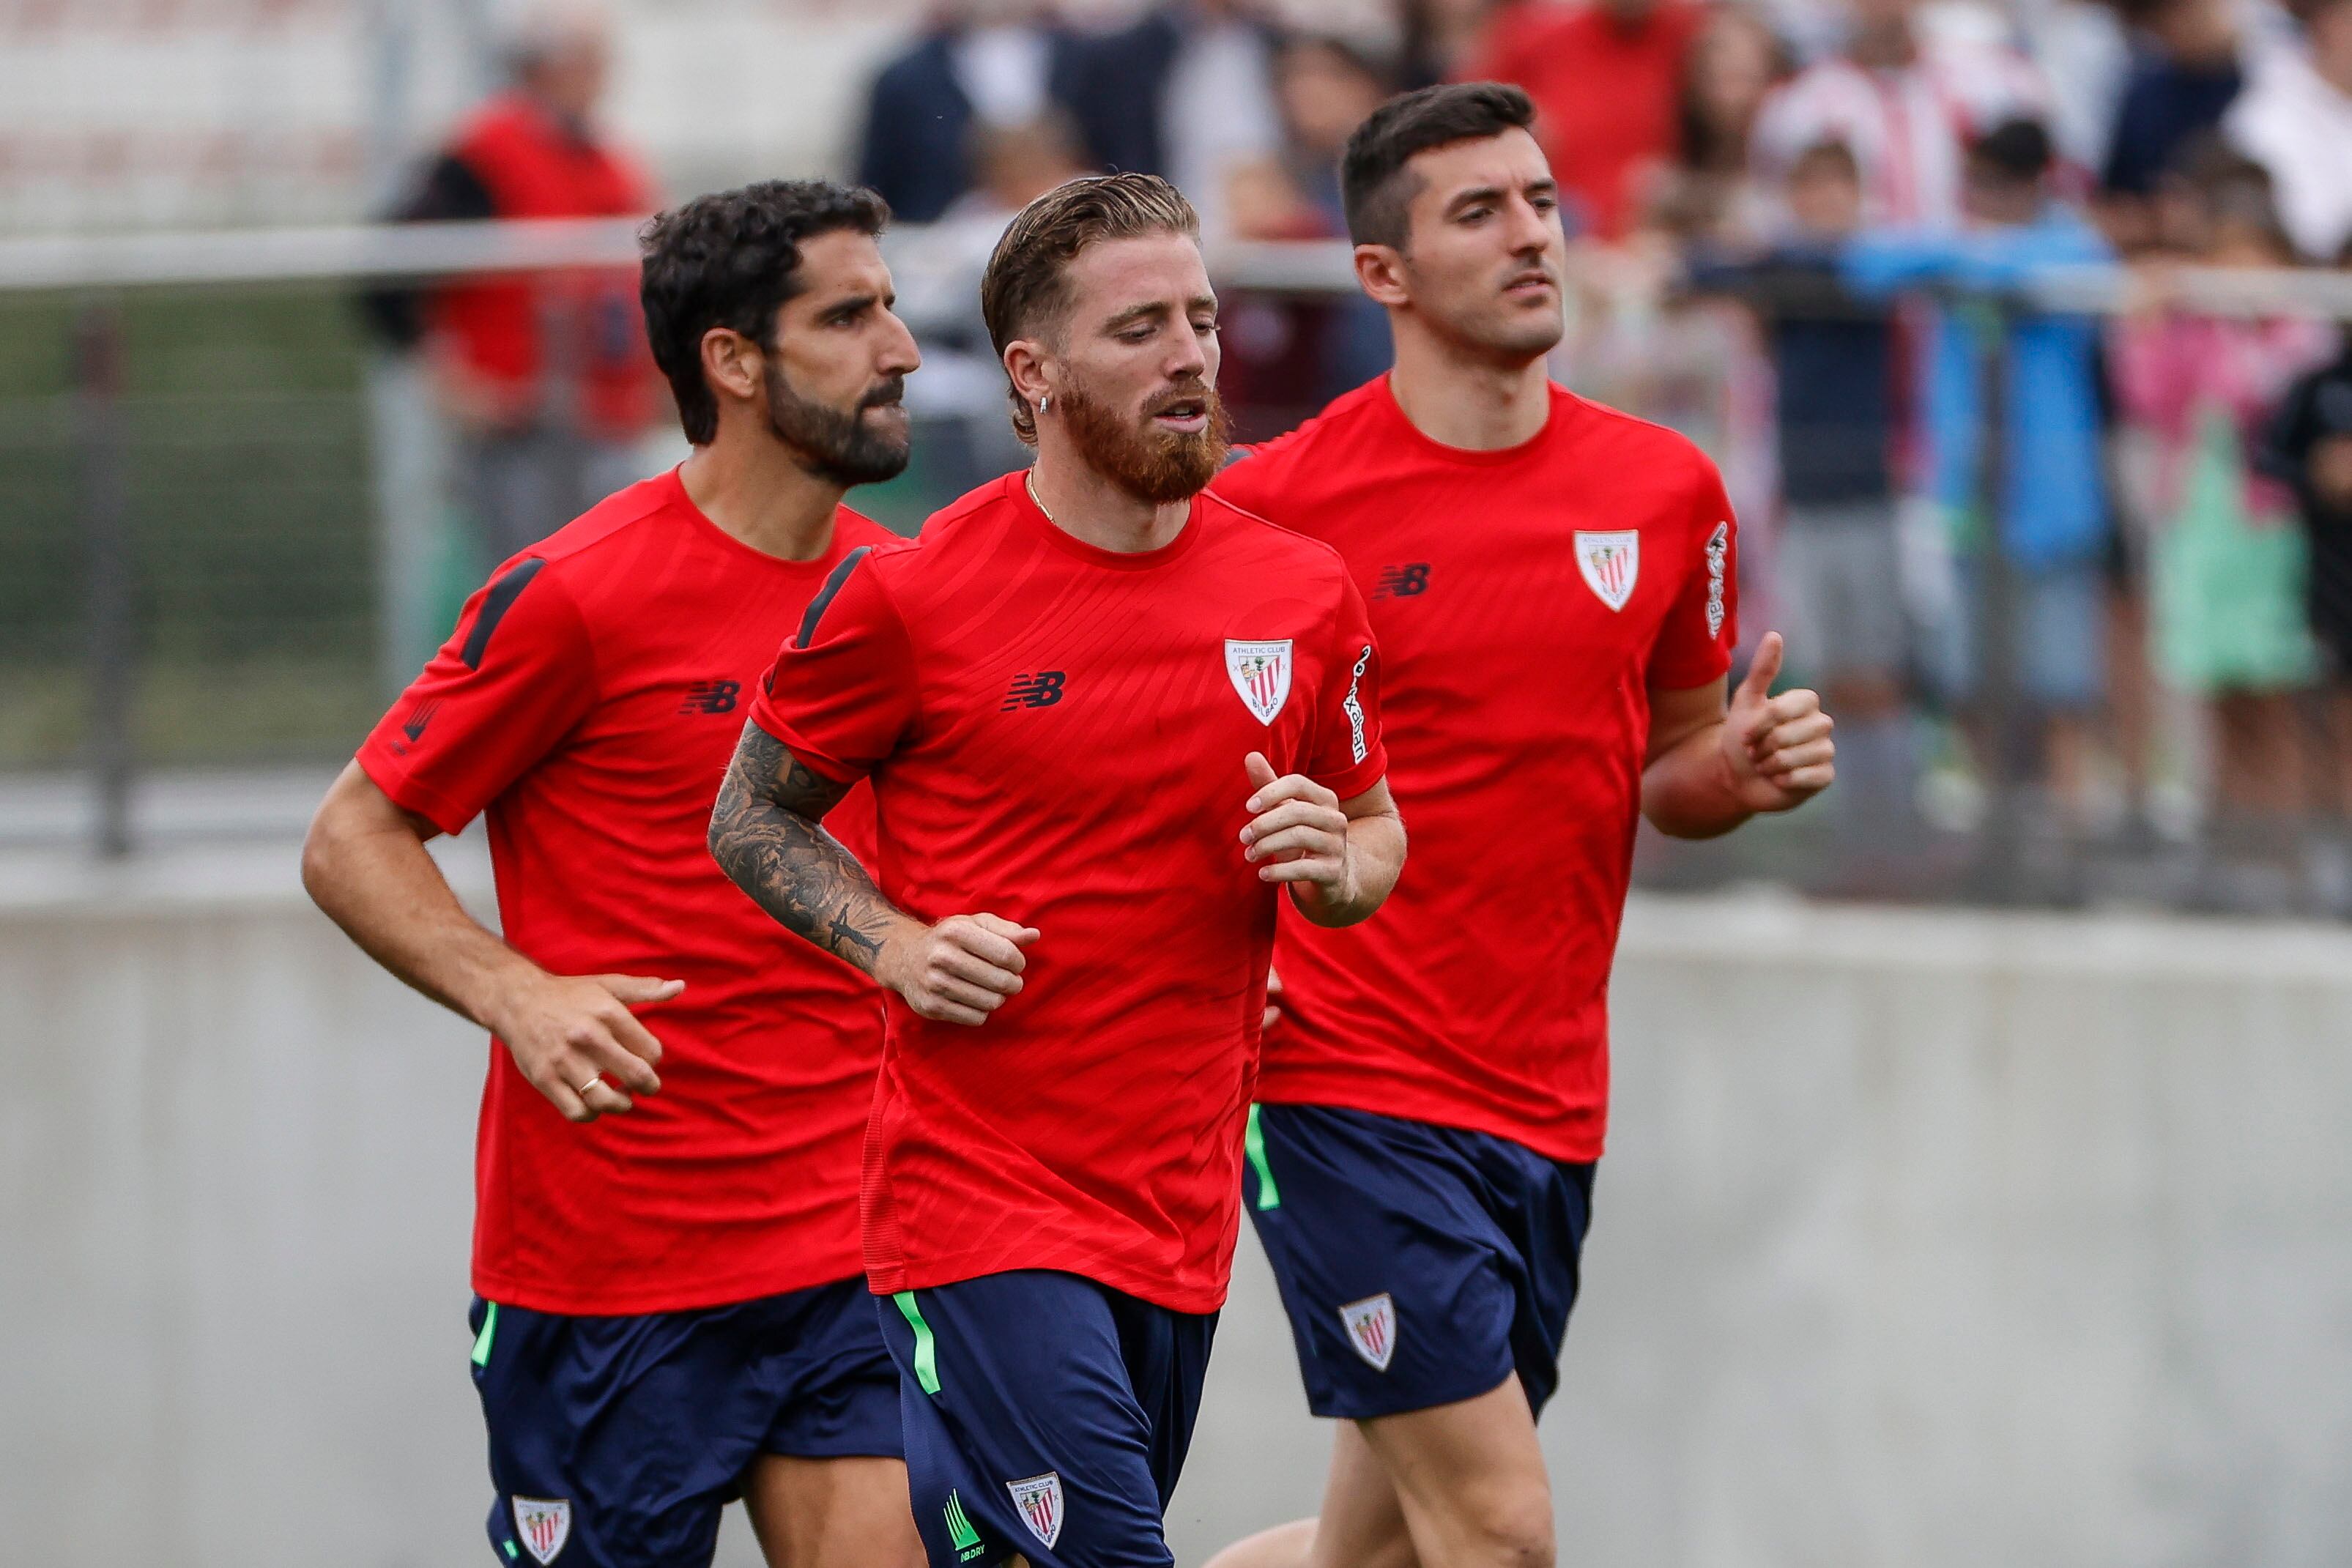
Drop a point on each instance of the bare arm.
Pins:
(365, 864)
(766, 835)
(1341, 858)
(1712, 765)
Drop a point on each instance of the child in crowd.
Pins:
(2228, 562)
(2043, 533)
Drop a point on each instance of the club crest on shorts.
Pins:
(1261, 674)
(1039, 1499)
(544, 1523)
(1371, 1326)
(1612, 563)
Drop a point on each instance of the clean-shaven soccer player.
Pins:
(1108, 720)
(672, 1308)
(1552, 585)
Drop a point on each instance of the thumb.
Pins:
(1261, 772)
(639, 990)
(1765, 668)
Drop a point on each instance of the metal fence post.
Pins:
(110, 573)
(2000, 857)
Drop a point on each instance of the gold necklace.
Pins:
(1030, 479)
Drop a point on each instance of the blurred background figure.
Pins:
(2186, 71)
(1732, 67)
(544, 380)
(2032, 560)
(2294, 118)
(1607, 79)
(978, 67)
(2229, 563)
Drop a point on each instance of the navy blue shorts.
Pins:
(615, 1441)
(1045, 1415)
(1420, 1265)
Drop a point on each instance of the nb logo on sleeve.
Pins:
(710, 696)
(1403, 582)
(1043, 689)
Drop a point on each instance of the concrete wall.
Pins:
(1925, 1238)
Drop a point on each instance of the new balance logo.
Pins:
(1043, 689)
(961, 1534)
(1403, 582)
(414, 727)
(710, 696)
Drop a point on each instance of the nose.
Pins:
(899, 354)
(1190, 358)
(1531, 228)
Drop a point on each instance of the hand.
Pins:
(958, 971)
(1297, 831)
(1777, 748)
(576, 1040)
(1272, 998)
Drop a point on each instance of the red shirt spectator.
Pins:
(1606, 77)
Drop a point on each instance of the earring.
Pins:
(1044, 400)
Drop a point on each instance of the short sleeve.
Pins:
(1346, 755)
(1694, 643)
(841, 695)
(513, 679)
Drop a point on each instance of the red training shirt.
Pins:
(1525, 601)
(1055, 735)
(589, 701)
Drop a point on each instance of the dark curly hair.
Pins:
(731, 259)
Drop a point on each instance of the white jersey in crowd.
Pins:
(1907, 128)
(2292, 121)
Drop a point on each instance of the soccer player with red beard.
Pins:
(1552, 583)
(1109, 720)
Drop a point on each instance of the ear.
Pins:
(732, 365)
(1026, 365)
(1379, 270)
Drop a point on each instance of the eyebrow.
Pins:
(850, 305)
(1544, 187)
(1156, 309)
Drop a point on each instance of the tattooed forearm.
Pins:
(764, 835)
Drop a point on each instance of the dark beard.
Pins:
(834, 445)
(1156, 465)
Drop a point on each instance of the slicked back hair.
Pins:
(732, 259)
(1026, 292)
(1377, 189)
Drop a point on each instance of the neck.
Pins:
(1086, 504)
(751, 487)
(1479, 405)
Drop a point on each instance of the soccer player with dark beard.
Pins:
(1553, 585)
(672, 1311)
(1109, 720)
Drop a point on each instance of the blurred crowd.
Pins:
(2099, 566)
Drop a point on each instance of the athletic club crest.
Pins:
(1371, 1328)
(1611, 562)
(544, 1524)
(1261, 674)
(1039, 1499)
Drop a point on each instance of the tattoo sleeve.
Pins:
(764, 834)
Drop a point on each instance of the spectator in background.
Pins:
(981, 64)
(1907, 105)
(1440, 37)
(1838, 556)
(545, 379)
(1607, 79)
(1732, 67)
(2229, 562)
(2184, 75)
(2309, 447)
(2047, 530)
(2295, 121)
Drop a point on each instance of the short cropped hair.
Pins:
(1024, 291)
(2016, 149)
(732, 259)
(1376, 188)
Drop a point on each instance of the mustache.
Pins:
(1183, 391)
(889, 394)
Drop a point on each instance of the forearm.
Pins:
(372, 875)
(789, 865)
(1375, 859)
(1686, 790)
